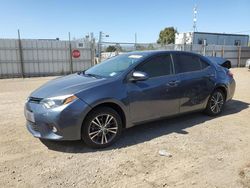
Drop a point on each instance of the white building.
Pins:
(211, 38)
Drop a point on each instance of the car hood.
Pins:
(71, 84)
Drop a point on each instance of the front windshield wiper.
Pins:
(89, 74)
(83, 73)
(80, 72)
(92, 75)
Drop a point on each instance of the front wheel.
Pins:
(215, 103)
(101, 128)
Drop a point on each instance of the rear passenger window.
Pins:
(188, 63)
(157, 66)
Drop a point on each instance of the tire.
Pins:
(101, 128)
(215, 103)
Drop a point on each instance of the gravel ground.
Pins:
(206, 152)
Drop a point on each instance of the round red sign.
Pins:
(76, 53)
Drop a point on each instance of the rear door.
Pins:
(158, 96)
(197, 80)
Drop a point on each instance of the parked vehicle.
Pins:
(248, 63)
(97, 104)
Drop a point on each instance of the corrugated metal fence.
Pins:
(236, 54)
(28, 57)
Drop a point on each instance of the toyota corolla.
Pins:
(95, 105)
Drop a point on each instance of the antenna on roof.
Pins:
(194, 18)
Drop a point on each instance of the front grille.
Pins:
(35, 100)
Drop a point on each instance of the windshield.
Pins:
(114, 66)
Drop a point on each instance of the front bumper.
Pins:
(60, 123)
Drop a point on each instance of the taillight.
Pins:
(229, 73)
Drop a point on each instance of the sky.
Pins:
(120, 19)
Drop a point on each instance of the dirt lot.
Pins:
(206, 152)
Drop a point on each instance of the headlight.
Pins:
(58, 101)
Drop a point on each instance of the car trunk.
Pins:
(221, 61)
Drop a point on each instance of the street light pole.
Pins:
(101, 34)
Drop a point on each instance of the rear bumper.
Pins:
(231, 90)
(61, 123)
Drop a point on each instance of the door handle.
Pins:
(209, 76)
(173, 83)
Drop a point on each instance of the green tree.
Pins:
(167, 36)
(118, 47)
(111, 48)
(140, 47)
(151, 47)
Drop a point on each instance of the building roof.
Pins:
(228, 34)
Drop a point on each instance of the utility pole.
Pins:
(20, 53)
(101, 35)
(135, 40)
(100, 47)
(195, 18)
(70, 55)
(92, 42)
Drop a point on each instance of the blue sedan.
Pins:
(95, 105)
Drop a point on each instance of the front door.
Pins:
(157, 96)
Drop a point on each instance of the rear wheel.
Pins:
(215, 103)
(102, 127)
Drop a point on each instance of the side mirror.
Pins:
(139, 76)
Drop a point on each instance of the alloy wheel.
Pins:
(103, 129)
(216, 102)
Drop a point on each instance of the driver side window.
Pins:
(157, 66)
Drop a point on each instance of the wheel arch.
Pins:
(111, 104)
(223, 88)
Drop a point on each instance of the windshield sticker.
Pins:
(112, 74)
(135, 56)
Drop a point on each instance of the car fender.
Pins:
(123, 107)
